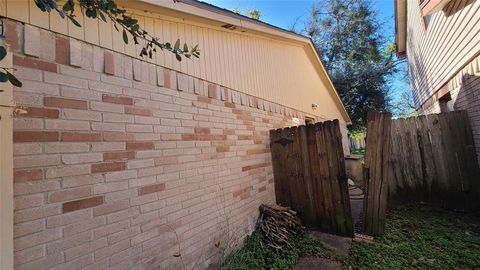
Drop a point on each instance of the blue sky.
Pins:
(284, 13)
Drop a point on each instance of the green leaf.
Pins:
(103, 17)
(13, 80)
(179, 58)
(125, 37)
(91, 13)
(75, 22)
(185, 47)
(177, 45)
(3, 52)
(68, 6)
(3, 77)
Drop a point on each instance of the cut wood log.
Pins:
(278, 225)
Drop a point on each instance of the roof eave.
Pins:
(400, 7)
(215, 13)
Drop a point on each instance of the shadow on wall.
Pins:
(468, 99)
(454, 6)
(416, 70)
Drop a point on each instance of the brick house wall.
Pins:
(464, 90)
(122, 164)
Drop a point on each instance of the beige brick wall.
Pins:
(122, 164)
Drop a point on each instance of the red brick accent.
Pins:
(81, 137)
(118, 155)
(138, 111)
(202, 130)
(108, 167)
(204, 99)
(65, 103)
(109, 64)
(117, 100)
(241, 191)
(151, 189)
(212, 91)
(238, 111)
(62, 51)
(166, 78)
(82, 204)
(228, 132)
(140, 145)
(229, 105)
(442, 91)
(256, 166)
(35, 136)
(221, 149)
(12, 33)
(34, 63)
(188, 137)
(28, 175)
(40, 113)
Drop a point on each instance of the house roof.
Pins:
(207, 13)
(401, 27)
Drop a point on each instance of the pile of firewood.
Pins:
(278, 225)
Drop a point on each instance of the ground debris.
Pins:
(278, 225)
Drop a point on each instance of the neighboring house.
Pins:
(441, 40)
(128, 163)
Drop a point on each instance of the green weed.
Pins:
(421, 238)
(256, 255)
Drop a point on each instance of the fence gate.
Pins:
(309, 172)
(376, 169)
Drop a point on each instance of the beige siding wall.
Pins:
(451, 40)
(278, 71)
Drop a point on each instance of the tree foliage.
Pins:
(108, 10)
(357, 56)
(252, 13)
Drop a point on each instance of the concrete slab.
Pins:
(338, 245)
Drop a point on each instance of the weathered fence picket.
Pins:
(376, 170)
(434, 161)
(309, 172)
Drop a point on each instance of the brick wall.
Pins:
(122, 164)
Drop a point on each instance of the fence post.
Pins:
(377, 163)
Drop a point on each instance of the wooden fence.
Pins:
(434, 161)
(376, 169)
(309, 172)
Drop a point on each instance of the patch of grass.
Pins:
(358, 151)
(421, 238)
(256, 255)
